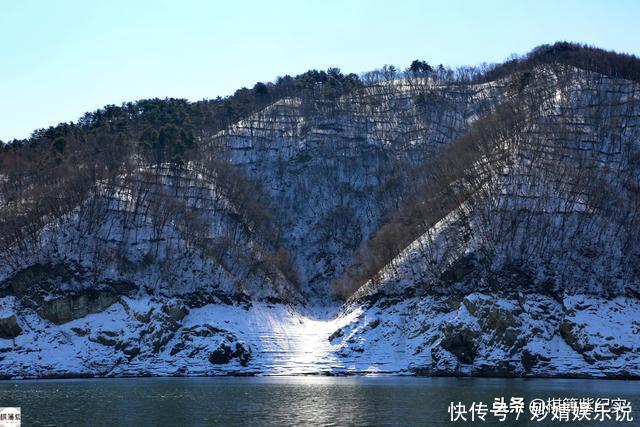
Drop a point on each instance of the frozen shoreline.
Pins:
(586, 337)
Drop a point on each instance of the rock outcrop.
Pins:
(9, 327)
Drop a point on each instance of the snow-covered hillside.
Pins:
(197, 270)
(333, 170)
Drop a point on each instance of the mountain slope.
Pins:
(535, 272)
(478, 226)
(334, 169)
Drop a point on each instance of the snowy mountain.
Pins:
(411, 225)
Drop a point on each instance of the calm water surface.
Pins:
(284, 401)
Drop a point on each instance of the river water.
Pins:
(285, 401)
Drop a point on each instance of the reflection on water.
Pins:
(281, 401)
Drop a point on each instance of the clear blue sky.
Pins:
(59, 59)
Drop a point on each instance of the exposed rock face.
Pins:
(70, 307)
(460, 340)
(175, 310)
(225, 354)
(9, 327)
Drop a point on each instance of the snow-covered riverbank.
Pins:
(478, 335)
